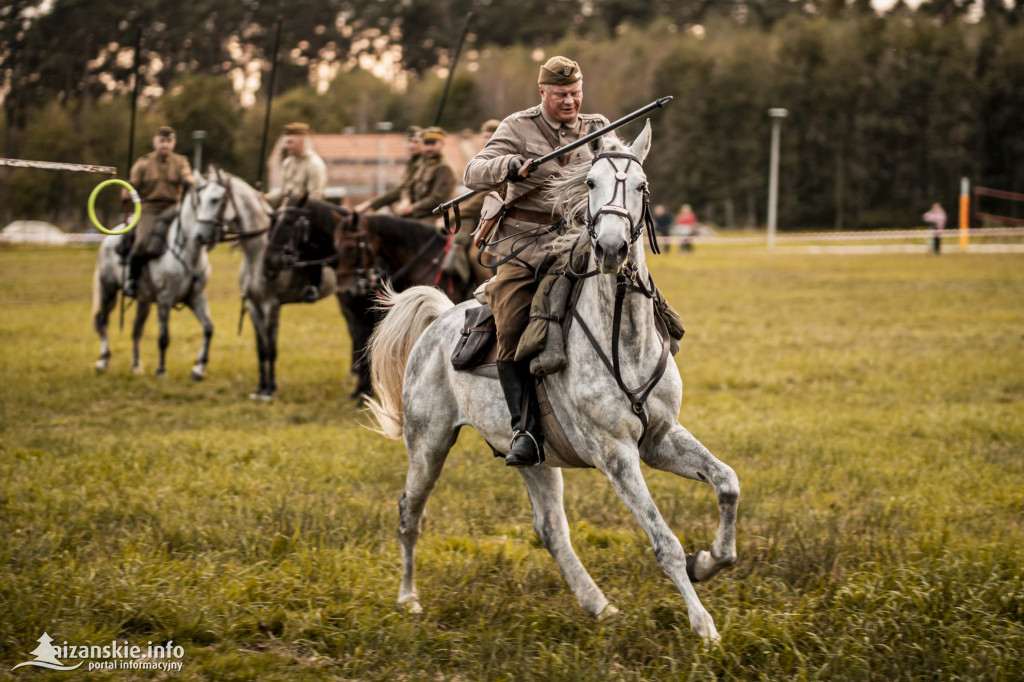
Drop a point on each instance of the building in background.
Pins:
(362, 166)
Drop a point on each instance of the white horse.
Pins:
(421, 397)
(179, 276)
(230, 201)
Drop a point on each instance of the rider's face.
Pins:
(414, 144)
(432, 148)
(294, 144)
(562, 102)
(163, 145)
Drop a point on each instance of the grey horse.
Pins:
(179, 276)
(421, 398)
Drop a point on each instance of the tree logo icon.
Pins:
(46, 656)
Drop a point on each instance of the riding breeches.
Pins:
(147, 224)
(510, 295)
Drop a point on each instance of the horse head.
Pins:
(618, 199)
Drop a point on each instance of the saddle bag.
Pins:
(491, 213)
(479, 333)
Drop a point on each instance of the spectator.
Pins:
(686, 226)
(936, 217)
(663, 224)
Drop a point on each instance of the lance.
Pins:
(131, 151)
(270, 99)
(533, 165)
(135, 97)
(451, 70)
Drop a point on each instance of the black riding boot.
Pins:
(135, 265)
(527, 447)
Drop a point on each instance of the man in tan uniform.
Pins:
(523, 239)
(304, 174)
(303, 170)
(413, 145)
(433, 183)
(158, 178)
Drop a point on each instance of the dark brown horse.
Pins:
(369, 251)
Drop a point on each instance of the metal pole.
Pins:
(197, 152)
(451, 71)
(270, 99)
(773, 173)
(965, 212)
(135, 97)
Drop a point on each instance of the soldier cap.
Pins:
(490, 126)
(559, 71)
(413, 131)
(165, 131)
(296, 129)
(433, 133)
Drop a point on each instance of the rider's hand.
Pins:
(362, 208)
(518, 168)
(404, 208)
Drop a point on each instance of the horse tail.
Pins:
(411, 312)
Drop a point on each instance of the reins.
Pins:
(625, 282)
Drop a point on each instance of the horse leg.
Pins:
(623, 470)
(163, 312)
(141, 314)
(201, 309)
(101, 321)
(426, 459)
(259, 325)
(273, 324)
(682, 454)
(545, 488)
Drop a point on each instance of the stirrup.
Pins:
(537, 451)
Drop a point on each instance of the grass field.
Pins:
(872, 406)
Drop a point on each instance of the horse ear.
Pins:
(642, 144)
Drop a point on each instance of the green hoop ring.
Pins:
(135, 200)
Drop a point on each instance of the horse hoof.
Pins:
(411, 604)
(198, 373)
(101, 367)
(607, 612)
(691, 568)
(161, 374)
(138, 369)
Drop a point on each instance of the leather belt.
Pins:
(538, 217)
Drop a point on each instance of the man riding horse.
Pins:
(159, 178)
(522, 241)
(413, 145)
(305, 176)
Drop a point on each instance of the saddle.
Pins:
(477, 349)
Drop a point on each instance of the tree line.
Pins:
(886, 112)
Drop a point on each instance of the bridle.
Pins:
(223, 232)
(636, 227)
(624, 283)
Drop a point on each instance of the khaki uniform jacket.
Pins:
(519, 135)
(396, 193)
(433, 184)
(304, 173)
(158, 180)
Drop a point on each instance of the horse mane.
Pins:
(571, 196)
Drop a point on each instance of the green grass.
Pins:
(871, 406)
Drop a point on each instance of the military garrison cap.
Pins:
(165, 131)
(559, 71)
(490, 126)
(296, 129)
(434, 133)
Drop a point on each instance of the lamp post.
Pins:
(382, 127)
(773, 174)
(197, 149)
